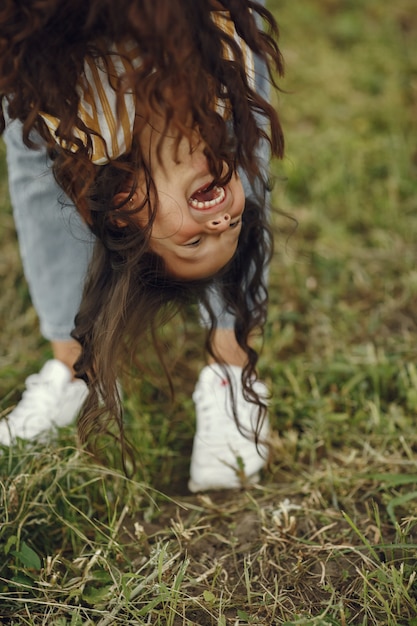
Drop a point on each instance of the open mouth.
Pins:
(207, 197)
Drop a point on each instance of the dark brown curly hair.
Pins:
(182, 76)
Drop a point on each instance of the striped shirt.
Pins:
(112, 117)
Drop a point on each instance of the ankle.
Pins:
(67, 352)
(227, 349)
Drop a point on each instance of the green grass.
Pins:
(330, 535)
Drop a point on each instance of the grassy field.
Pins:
(329, 537)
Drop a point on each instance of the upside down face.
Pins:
(197, 224)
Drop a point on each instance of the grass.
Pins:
(329, 537)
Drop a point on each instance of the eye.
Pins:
(235, 223)
(193, 244)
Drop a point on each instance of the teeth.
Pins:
(207, 204)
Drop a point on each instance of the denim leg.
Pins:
(55, 245)
(225, 319)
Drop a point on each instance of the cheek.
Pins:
(169, 217)
(238, 193)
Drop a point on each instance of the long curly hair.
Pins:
(183, 75)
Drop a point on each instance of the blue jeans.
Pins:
(55, 245)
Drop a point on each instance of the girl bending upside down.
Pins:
(156, 119)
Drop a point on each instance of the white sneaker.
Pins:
(223, 458)
(51, 399)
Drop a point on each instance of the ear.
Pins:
(124, 200)
(131, 203)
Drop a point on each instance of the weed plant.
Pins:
(329, 536)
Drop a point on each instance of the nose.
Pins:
(219, 223)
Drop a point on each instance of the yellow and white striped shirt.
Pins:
(112, 117)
